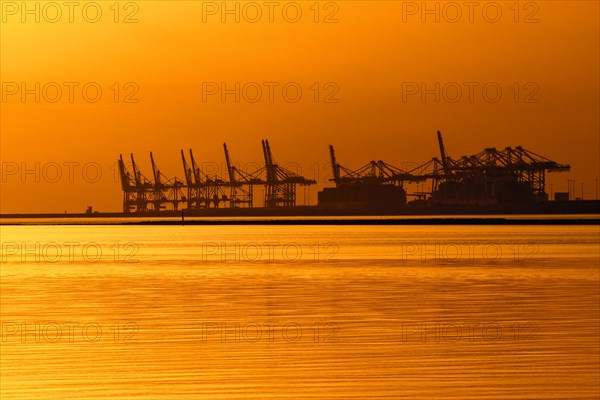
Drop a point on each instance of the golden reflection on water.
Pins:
(258, 312)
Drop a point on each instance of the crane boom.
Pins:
(443, 153)
(123, 173)
(334, 164)
(136, 172)
(230, 170)
(195, 169)
(186, 170)
(155, 170)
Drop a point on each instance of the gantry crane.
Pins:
(129, 186)
(166, 191)
(509, 175)
(375, 185)
(241, 184)
(203, 191)
(281, 183)
(374, 172)
(143, 187)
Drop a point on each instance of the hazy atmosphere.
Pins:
(377, 79)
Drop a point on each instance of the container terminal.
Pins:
(512, 180)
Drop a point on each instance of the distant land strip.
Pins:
(423, 221)
(338, 221)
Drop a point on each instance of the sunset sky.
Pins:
(363, 56)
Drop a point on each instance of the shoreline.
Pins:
(543, 208)
(375, 222)
(581, 212)
(595, 220)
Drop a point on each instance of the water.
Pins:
(298, 312)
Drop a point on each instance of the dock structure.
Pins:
(513, 175)
(375, 185)
(488, 178)
(202, 191)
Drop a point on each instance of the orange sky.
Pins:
(373, 50)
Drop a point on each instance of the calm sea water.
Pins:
(299, 312)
